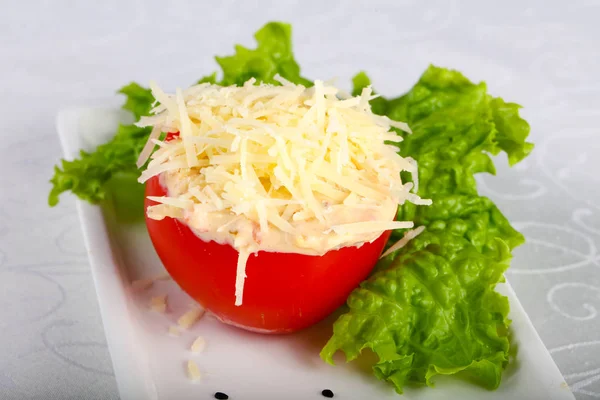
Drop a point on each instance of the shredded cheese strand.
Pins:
(408, 236)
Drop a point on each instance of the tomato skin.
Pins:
(283, 292)
(171, 135)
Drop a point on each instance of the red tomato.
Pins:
(171, 135)
(283, 292)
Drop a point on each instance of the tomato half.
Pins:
(283, 292)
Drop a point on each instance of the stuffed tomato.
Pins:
(271, 203)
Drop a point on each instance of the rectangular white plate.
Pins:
(150, 364)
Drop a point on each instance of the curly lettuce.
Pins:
(430, 308)
(89, 175)
(273, 55)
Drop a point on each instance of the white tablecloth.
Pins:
(60, 53)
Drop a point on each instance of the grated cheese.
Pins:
(148, 147)
(193, 371)
(142, 284)
(408, 236)
(277, 168)
(371, 226)
(190, 318)
(162, 277)
(159, 303)
(198, 345)
(240, 276)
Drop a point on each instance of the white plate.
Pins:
(150, 364)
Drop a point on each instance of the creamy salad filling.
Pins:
(306, 236)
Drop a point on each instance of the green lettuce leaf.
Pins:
(430, 308)
(88, 176)
(139, 99)
(431, 311)
(272, 56)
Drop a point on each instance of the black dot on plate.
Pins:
(221, 396)
(327, 393)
